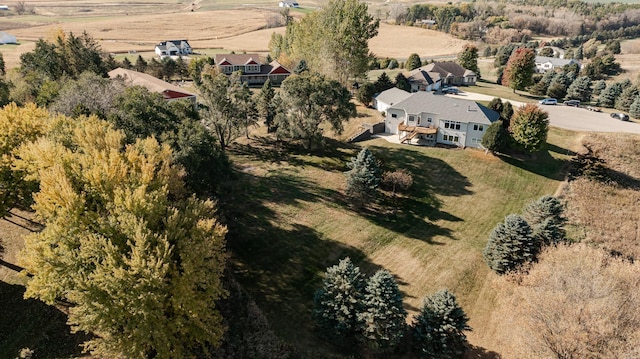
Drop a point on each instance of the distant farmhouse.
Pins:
(173, 48)
(253, 72)
(168, 91)
(433, 76)
(7, 38)
(544, 63)
(428, 119)
(288, 4)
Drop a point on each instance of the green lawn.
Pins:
(291, 220)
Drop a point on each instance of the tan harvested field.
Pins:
(138, 27)
(401, 41)
(629, 59)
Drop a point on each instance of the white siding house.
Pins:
(427, 118)
(388, 98)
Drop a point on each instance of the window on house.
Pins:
(393, 115)
(454, 125)
(478, 127)
(419, 120)
(429, 119)
(411, 118)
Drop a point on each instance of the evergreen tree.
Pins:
(141, 64)
(519, 70)
(393, 64)
(529, 127)
(438, 330)
(126, 63)
(382, 319)
(598, 87)
(626, 98)
(634, 110)
(3, 70)
(557, 90)
(413, 62)
(608, 96)
(503, 54)
(365, 93)
(267, 105)
(364, 175)
(301, 67)
(506, 113)
(496, 138)
(402, 82)
(546, 218)
(468, 58)
(580, 89)
(496, 104)
(486, 52)
(510, 244)
(541, 87)
(579, 54)
(383, 83)
(338, 302)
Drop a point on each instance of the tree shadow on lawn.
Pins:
(413, 214)
(332, 156)
(542, 163)
(278, 262)
(30, 323)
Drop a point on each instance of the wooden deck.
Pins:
(413, 131)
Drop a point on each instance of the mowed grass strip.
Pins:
(292, 220)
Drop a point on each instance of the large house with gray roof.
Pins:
(450, 73)
(544, 63)
(253, 71)
(423, 80)
(427, 118)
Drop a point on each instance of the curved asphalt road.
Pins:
(570, 118)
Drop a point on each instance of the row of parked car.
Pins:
(576, 103)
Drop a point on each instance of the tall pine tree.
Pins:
(382, 320)
(438, 331)
(546, 218)
(510, 244)
(365, 175)
(339, 301)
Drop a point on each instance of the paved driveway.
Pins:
(571, 118)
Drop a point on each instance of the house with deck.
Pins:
(254, 73)
(428, 119)
(173, 48)
(168, 91)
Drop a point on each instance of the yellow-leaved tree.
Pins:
(17, 126)
(138, 261)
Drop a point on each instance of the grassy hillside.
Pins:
(293, 220)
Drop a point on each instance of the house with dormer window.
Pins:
(254, 72)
